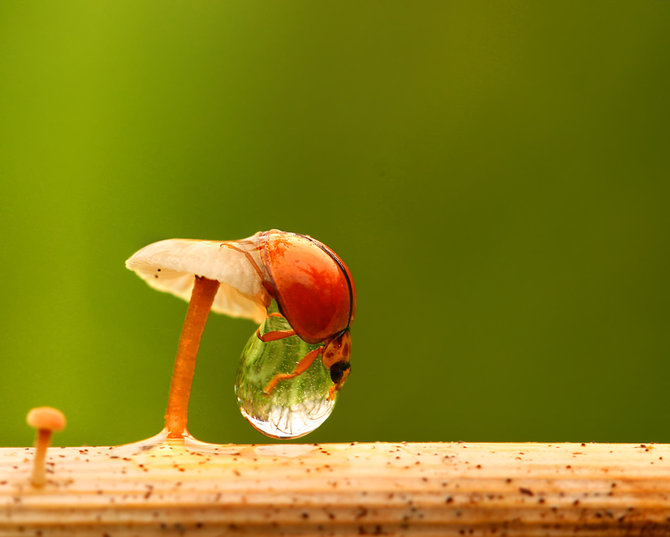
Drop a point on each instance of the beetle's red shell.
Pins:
(311, 284)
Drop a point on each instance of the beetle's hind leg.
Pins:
(231, 245)
(301, 367)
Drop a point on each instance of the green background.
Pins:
(495, 175)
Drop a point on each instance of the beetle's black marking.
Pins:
(337, 371)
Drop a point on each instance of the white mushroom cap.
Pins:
(170, 265)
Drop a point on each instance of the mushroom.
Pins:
(224, 276)
(46, 420)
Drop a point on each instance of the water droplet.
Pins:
(296, 406)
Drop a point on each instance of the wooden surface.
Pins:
(155, 488)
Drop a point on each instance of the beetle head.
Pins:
(336, 359)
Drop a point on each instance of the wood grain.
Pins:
(171, 488)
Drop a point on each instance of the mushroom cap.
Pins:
(46, 417)
(170, 265)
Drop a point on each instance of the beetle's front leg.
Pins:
(301, 367)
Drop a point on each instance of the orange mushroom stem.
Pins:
(202, 297)
(46, 420)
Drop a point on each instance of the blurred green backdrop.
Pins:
(495, 174)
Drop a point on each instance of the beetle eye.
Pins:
(337, 370)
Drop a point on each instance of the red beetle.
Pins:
(314, 291)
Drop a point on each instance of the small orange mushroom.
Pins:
(46, 420)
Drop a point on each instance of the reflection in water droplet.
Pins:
(296, 406)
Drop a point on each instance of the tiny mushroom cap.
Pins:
(170, 265)
(46, 418)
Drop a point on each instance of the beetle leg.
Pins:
(254, 244)
(300, 368)
(248, 255)
(274, 336)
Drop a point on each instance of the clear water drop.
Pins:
(296, 406)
